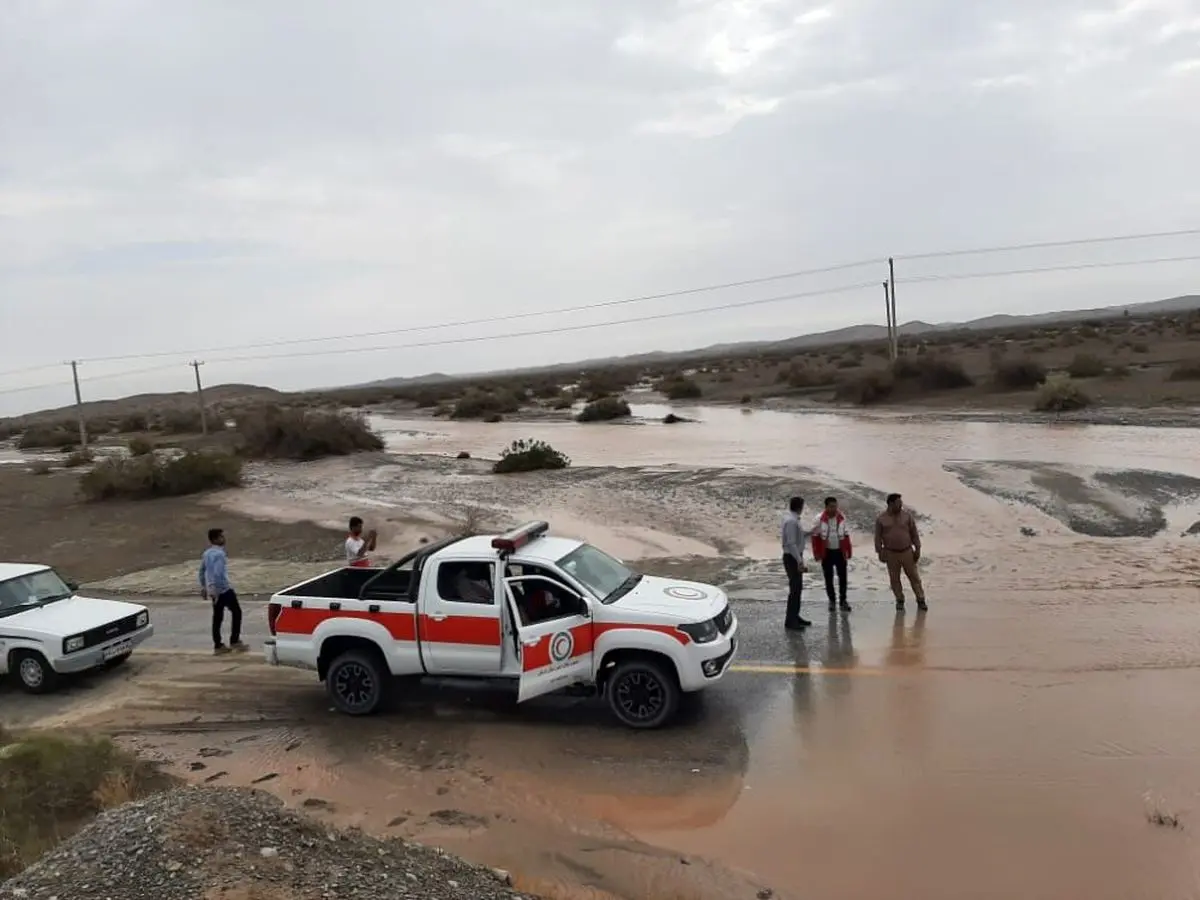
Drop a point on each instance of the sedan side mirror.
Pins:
(72, 586)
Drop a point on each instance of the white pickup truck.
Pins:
(47, 630)
(544, 612)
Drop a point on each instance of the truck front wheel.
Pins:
(35, 674)
(355, 682)
(643, 694)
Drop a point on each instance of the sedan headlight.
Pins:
(73, 644)
(143, 619)
(701, 632)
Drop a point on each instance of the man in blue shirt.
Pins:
(214, 584)
(793, 534)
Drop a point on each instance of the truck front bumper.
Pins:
(95, 657)
(707, 663)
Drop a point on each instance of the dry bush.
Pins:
(189, 421)
(529, 456)
(870, 387)
(564, 400)
(677, 387)
(146, 477)
(1119, 370)
(78, 458)
(51, 785)
(275, 432)
(932, 373)
(1086, 365)
(595, 385)
(1059, 393)
(41, 467)
(1018, 374)
(799, 374)
(139, 446)
(1188, 371)
(53, 435)
(604, 409)
(480, 404)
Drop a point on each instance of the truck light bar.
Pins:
(512, 541)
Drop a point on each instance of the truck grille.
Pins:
(110, 631)
(724, 619)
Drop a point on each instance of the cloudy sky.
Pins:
(178, 178)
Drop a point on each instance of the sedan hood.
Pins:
(687, 601)
(63, 618)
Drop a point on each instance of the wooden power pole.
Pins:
(83, 435)
(895, 321)
(196, 364)
(887, 310)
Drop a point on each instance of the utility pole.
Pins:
(196, 364)
(83, 436)
(887, 309)
(895, 321)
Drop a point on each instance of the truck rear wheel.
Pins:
(643, 694)
(34, 673)
(355, 682)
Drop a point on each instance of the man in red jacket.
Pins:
(831, 545)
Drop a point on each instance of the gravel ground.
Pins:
(236, 844)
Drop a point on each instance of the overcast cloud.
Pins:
(194, 175)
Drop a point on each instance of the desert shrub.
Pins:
(932, 373)
(41, 467)
(849, 362)
(1118, 370)
(479, 404)
(275, 432)
(746, 399)
(180, 421)
(1188, 371)
(546, 390)
(80, 457)
(50, 436)
(145, 477)
(1139, 347)
(604, 409)
(1085, 365)
(1018, 374)
(529, 456)
(680, 388)
(1059, 393)
(51, 784)
(596, 385)
(139, 446)
(131, 423)
(564, 400)
(800, 374)
(870, 387)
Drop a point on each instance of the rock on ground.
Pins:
(208, 843)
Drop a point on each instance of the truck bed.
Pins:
(348, 583)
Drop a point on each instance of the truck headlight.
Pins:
(143, 619)
(73, 644)
(701, 632)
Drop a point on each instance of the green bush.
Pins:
(274, 432)
(140, 446)
(146, 477)
(1059, 393)
(1018, 374)
(479, 404)
(680, 388)
(529, 456)
(604, 410)
(1085, 365)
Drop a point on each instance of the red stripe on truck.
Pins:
(556, 648)
(402, 626)
(668, 630)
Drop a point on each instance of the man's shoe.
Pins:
(832, 606)
(797, 625)
(922, 606)
(845, 607)
(239, 646)
(899, 606)
(221, 650)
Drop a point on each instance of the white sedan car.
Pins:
(47, 630)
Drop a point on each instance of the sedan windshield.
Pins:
(28, 591)
(604, 576)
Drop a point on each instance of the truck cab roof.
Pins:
(545, 549)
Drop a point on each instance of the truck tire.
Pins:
(33, 672)
(643, 693)
(355, 682)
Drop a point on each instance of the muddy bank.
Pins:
(1103, 503)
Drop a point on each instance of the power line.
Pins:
(129, 373)
(644, 298)
(1045, 245)
(507, 317)
(922, 279)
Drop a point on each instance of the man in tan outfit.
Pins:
(898, 544)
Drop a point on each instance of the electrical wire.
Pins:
(924, 279)
(129, 373)
(1045, 245)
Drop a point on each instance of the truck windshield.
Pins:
(607, 578)
(35, 589)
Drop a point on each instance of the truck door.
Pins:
(460, 618)
(553, 634)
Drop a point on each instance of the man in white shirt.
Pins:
(793, 534)
(359, 545)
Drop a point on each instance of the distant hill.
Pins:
(102, 409)
(848, 335)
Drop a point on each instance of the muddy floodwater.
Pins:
(1035, 735)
